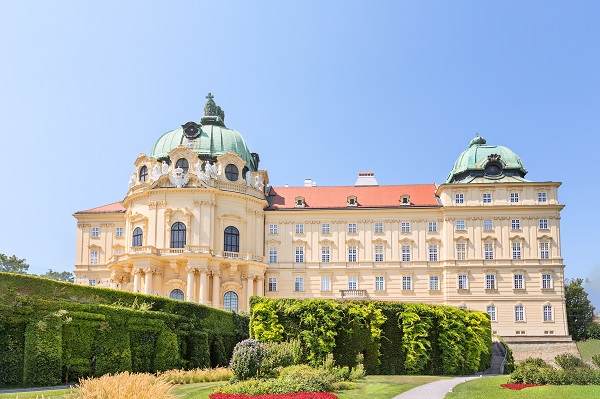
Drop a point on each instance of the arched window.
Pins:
(232, 239)
(230, 301)
(231, 172)
(143, 174)
(137, 237)
(178, 235)
(183, 164)
(176, 294)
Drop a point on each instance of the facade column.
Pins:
(261, 286)
(190, 284)
(148, 281)
(244, 298)
(203, 286)
(250, 290)
(216, 294)
(136, 280)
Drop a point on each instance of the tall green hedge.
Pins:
(53, 332)
(394, 338)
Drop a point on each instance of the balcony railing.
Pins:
(353, 293)
(203, 249)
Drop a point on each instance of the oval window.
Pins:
(231, 172)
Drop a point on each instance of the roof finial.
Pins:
(210, 109)
(213, 114)
(478, 140)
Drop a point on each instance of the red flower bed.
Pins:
(518, 387)
(292, 395)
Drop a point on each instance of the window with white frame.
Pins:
(546, 281)
(542, 196)
(434, 283)
(92, 282)
(490, 281)
(433, 252)
(488, 250)
(544, 250)
(519, 313)
(519, 281)
(515, 224)
(300, 228)
(299, 255)
(463, 282)
(378, 253)
(273, 229)
(119, 232)
(325, 253)
(488, 224)
(514, 197)
(379, 227)
(487, 198)
(93, 257)
(272, 284)
(548, 313)
(379, 283)
(460, 225)
(491, 310)
(406, 283)
(352, 250)
(459, 198)
(351, 227)
(118, 251)
(273, 254)
(299, 284)
(516, 250)
(405, 227)
(461, 251)
(325, 283)
(543, 224)
(352, 283)
(405, 253)
(432, 226)
(95, 231)
(326, 228)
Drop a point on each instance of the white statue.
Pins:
(210, 170)
(156, 172)
(258, 184)
(178, 178)
(165, 168)
(132, 180)
(214, 170)
(199, 172)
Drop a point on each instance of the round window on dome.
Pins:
(183, 164)
(493, 169)
(231, 172)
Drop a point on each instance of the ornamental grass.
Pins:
(196, 375)
(123, 386)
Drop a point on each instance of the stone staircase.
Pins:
(498, 354)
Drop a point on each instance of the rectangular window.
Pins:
(543, 224)
(542, 196)
(516, 250)
(487, 198)
(406, 253)
(405, 227)
(518, 281)
(378, 253)
(273, 229)
(379, 283)
(118, 252)
(491, 310)
(325, 254)
(273, 254)
(94, 257)
(119, 232)
(433, 253)
(300, 228)
(514, 197)
(92, 282)
(352, 253)
(272, 286)
(95, 231)
(546, 281)
(432, 226)
(406, 283)
(460, 225)
(519, 313)
(299, 284)
(326, 228)
(544, 250)
(490, 281)
(463, 282)
(434, 283)
(325, 283)
(351, 227)
(459, 198)
(488, 250)
(299, 254)
(379, 227)
(547, 313)
(488, 225)
(353, 283)
(515, 224)
(461, 251)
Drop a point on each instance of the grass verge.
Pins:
(51, 394)
(385, 386)
(589, 348)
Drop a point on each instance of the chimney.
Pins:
(366, 179)
(307, 183)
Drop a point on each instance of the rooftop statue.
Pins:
(178, 178)
(132, 180)
(165, 168)
(156, 172)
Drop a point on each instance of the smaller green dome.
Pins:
(489, 162)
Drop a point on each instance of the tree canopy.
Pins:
(13, 264)
(580, 312)
(60, 276)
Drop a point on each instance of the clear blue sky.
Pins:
(319, 89)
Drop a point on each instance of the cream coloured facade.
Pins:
(205, 226)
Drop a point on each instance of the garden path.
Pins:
(433, 390)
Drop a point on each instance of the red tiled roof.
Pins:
(366, 196)
(115, 207)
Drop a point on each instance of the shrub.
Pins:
(281, 354)
(568, 361)
(593, 331)
(247, 358)
(596, 360)
(509, 365)
(124, 386)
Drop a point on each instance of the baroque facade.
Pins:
(200, 222)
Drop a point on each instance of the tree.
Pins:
(60, 276)
(13, 264)
(580, 312)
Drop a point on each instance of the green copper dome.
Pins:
(482, 163)
(209, 139)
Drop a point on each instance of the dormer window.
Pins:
(300, 202)
(183, 164)
(352, 201)
(405, 199)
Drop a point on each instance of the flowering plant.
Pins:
(247, 358)
(292, 395)
(518, 387)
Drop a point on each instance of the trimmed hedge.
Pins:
(393, 337)
(54, 332)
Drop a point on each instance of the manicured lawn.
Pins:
(589, 348)
(489, 388)
(385, 386)
(55, 394)
(200, 390)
